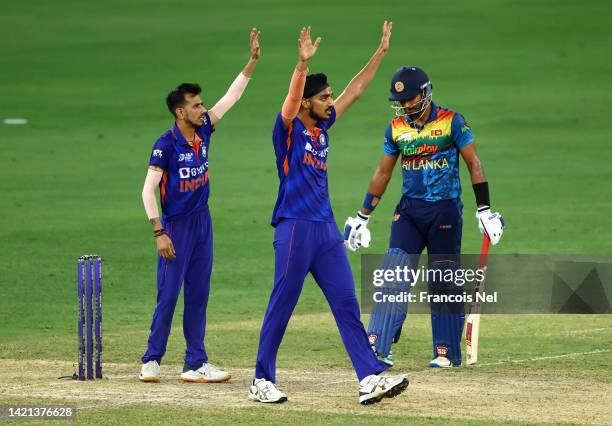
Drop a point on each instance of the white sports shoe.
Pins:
(149, 372)
(263, 390)
(440, 362)
(374, 388)
(207, 373)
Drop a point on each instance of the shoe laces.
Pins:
(209, 368)
(266, 387)
(151, 366)
(375, 381)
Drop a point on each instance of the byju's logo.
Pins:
(186, 172)
(322, 153)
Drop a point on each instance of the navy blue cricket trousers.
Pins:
(419, 224)
(192, 239)
(300, 247)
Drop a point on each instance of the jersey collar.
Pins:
(178, 136)
(433, 113)
(316, 130)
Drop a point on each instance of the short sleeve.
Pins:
(461, 131)
(391, 148)
(330, 121)
(207, 128)
(160, 155)
(279, 136)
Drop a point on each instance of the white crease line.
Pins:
(544, 358)
(571, 332)
(589, 330)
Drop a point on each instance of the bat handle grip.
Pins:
(484, 251)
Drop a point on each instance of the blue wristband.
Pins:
(370, 201)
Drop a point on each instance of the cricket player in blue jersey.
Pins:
(430, 139)
(306, 238)
(179, 166)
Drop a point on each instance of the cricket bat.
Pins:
(472, 325)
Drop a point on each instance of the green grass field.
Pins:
(531, 77)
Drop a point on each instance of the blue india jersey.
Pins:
(184, 188)
(301, 161)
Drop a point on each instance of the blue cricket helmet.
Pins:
(407, 82)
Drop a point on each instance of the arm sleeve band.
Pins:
(291, 106)
(481, 191)
(370, 201)
(148, 193)
(231, 97)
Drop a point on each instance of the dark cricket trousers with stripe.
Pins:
(192, 239)
(437, 226)
(300, 247)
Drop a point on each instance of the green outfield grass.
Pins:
(91, 79)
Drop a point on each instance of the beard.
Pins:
(315, 116)
(193, 123)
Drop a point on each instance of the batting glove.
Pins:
(491, 224)
(356, 232)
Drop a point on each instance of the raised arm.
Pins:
(240, 83)
(306, 50)
(360, 82)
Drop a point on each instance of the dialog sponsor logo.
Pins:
(405, 137)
